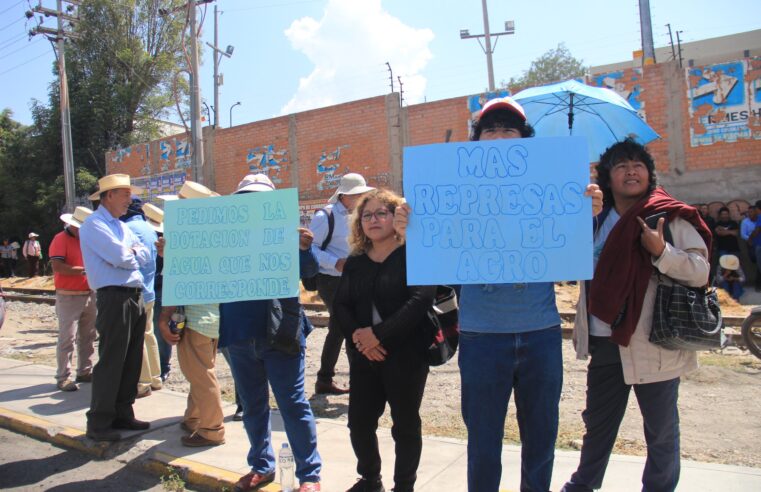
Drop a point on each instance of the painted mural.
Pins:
(268, 160)
(174, 153)
(168, 183)
(627, 86)
(329, 168)
(725, 102)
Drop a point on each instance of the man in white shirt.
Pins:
(332, 259)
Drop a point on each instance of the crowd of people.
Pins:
(107, 265)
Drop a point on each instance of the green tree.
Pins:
(554, 66)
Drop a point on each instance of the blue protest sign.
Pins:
(499, 211)
(231, 248)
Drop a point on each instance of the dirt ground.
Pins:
(718, 403)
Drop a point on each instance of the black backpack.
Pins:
(310, 283)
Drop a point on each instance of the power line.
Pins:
(26, 62)
(11, 24)
(12, 41)
(12, 6)
(19, 49)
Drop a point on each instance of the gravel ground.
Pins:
(718, 403)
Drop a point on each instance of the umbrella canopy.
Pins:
(573, 108)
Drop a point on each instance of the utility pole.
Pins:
(196, 130)
(487, 46)
(646, 27)
(671, 41)
(60, 35)
(218, 54)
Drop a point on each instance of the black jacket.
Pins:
(401, 307)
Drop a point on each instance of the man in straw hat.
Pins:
(32, 252)
(197, 355)
(74, 303)
(730, 276)
(331, 247)
(113, 256)
(263, 357)
(150, 372)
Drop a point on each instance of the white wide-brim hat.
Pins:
(77, 218)
(190, 189)
(351, 184)
(33, 235)
(729, 262)
(115, 182)
(255, 182)
(154, 216)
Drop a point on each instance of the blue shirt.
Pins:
(148, 237)
(338, 247)
(111, 252)
(508, 308)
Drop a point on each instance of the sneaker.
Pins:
(253, 481)
(67, 385)
(84, 378)
(310, 487)
(238, 415)
(198, 441)
(365, 485)
(144, 393)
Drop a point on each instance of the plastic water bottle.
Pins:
(286, 463)
(177, 322)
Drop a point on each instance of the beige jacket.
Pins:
(644, 362)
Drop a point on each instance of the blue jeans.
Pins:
(165, 350)
(492, 365)
(253, 365)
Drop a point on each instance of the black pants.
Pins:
(121, 329)
(32, 263)
(327, 285)
(400, 381)
(607, 397)
(8, 267)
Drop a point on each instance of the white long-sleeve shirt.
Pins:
(339, 244)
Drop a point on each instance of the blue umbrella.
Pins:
(573, 108)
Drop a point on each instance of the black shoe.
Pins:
(364, 485)
(84, 378)
(130, 424)
(329, 388)
(238, 415)
(105, 435)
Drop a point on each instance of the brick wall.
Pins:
(312, 149)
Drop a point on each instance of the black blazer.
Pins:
(403, 308)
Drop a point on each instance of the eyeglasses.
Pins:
(381, 215)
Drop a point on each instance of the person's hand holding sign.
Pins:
(595, 192)
(305, 238)
(401, 219)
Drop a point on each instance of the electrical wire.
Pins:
(25, 63)
(12, 23)
(12, 6)
(19, 49)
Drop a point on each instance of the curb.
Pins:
(45, 430)
(192, 472)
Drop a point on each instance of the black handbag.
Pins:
(444, 318)
(686, 318)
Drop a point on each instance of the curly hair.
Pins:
(501, 118)
(628, 150)
(359, 243)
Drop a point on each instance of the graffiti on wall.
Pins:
(724, 102)
(159, 184)
(268, 160)
(175, 151)
(630, 88)
(380, 180)
(142, 152)
(328, 166)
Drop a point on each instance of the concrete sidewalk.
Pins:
(30, 403)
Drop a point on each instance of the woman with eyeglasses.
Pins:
(387, 331)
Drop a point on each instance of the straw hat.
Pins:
(729, 262)
(351, 184)
(114, 182)
(78, 217)
(255, 182)
(190, 189)
(154, 216)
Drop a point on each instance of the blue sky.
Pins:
(293, 55)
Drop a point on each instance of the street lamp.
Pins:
(488, 48)
(231, 112)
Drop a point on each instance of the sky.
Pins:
(296, 55)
